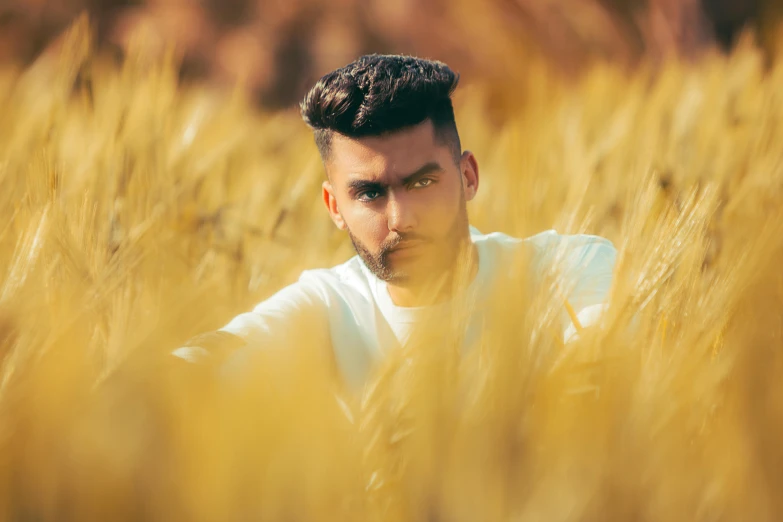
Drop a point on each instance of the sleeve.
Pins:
(586, 268)
(281, 321)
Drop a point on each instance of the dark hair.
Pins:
(378, 94)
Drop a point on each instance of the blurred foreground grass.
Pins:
(137, 213)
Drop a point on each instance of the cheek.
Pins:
(369, 226)
(443, 207)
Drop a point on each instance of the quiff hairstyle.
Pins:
(380, 94)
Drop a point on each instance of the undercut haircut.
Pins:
(381, 94)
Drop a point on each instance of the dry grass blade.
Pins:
(138, 212)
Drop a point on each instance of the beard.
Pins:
(448, 253)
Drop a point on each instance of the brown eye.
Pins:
(426, 182)
(369, 195)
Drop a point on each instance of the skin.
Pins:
(402, 197)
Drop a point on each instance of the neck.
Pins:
(436, 290)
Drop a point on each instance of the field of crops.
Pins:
(137, 213)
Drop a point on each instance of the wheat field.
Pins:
(138, 212)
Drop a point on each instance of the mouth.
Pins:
(406, 251)
(407, 247)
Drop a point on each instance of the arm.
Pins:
(584, 268)
(293, 316)
(588, 274)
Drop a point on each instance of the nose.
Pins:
(400, 215)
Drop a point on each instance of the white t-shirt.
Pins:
(364, 323)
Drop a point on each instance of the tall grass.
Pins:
(138, 213)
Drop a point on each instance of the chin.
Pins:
(413, 275)
(402, 276)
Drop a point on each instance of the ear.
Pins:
(331, 205)
(470, 174)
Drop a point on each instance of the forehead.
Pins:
(387, 156)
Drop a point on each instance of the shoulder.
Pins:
(550, 243)
(496, 245)
(351, 275)
(542, 242)
(550, 247)
(311, 296)
(312, 287)
(577, 257)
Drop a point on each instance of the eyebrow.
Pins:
(429, 168)
(357, 185)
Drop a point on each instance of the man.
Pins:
(398, 183)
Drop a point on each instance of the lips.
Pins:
(407, 246)
(406, 251)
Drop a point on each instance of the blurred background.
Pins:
(277, 48)
(146, 202)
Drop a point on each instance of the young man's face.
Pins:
(402, 199)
